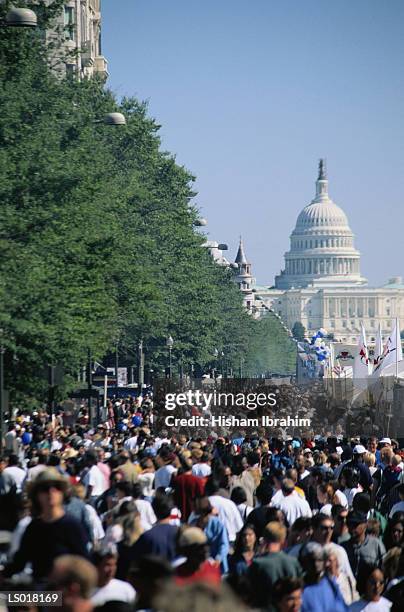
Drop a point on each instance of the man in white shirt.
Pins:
(290, 502)
(93, 479)
(163, 475)
(15, 472)
(201, 467)
(110, 588)
(226, 510)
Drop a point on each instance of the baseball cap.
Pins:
(359, 449)
(385, 441)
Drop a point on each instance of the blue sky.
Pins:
(251, 93)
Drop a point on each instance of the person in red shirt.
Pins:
(187, 488)
(192, 564)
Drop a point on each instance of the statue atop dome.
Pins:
(322, 170)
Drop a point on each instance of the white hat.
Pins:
(385, 441)
(339, 450)
(359, 449)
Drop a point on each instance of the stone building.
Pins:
(77, 37)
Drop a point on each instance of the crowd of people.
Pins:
(121, 518)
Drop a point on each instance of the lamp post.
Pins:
(20, 18)
(169, 344)
(141, 366)
(215, 355)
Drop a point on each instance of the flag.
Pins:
(392, 351)
(362, 366)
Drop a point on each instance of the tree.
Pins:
(299, 331)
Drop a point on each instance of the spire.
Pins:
(240, 257)
(322, 182)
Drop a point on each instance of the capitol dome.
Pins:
(322, 248)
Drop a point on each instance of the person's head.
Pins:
(274, 536)
(372, 445)
(369, 459)
(162, 506)
(48, 491)
(357, 525)
(123, 489)
(370, 582)
(264, 493)
(350, 477)
(311, 558)
(246, 540)
(386, 456)
(116, 476)
(340, 516)
(325, 493)
(75, 577)
(373, 527)
(332, 565)
(361, 503)
(287, 594)
(12, 460)
(287, 486)
(3, 463)
(300, 531)
(323, 527)
(91, 458)
(292, 474)
(203, 509)
(105, 562)
(238, 495)
(192, 544)
(148, 574)
(394, 534)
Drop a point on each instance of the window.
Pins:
(343, 323)
(69, 23)
(388, 312)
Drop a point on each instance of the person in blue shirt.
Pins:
(321, 593)
(215, 531)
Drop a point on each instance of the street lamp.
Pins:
(20, 18)
(200, 222)
(115, 119)
(169, 344)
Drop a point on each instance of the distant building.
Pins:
(321, 284)
(77, 37)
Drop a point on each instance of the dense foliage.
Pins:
(97, 237)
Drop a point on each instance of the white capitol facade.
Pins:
(321, 285)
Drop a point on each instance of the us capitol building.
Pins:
(321, 284)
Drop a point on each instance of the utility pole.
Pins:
(89, 387)
(116, 368)
(141, 367)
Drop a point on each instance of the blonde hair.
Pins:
(369, 459)
(274, 532)
(72, 569)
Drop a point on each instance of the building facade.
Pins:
(321, 284)
(77, 38)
